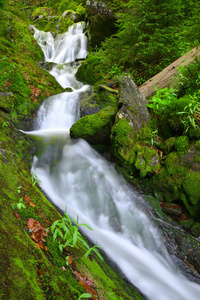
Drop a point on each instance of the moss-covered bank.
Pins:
(31, 270)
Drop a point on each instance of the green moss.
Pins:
(49, 24)
(172, 163)
(145, 133)
(191, 193)
(91, 102)
(122, 134)
(87, 72)
(167, 183)
(147, 161)
(128, 156)
(26, 271)
(112, 288)
(197, 158)
(88, 126)
(168, 145)
(197, 145)
(181, 144)
(195, 230)
(64, 24)
(42, 11)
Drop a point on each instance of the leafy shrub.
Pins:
(151, 36)
(162, 99)
(190, 78)
(191, 114)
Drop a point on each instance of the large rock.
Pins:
(132, 152)
(179, 179)
(101, 21)
(133, 104)
(95, 128)
(91, 102)
(131, 135)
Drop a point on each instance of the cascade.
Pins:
(79, 181)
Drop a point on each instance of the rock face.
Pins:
(179, 178)
(95, 128)
(101, 21)
(133, 104)
(131, 134)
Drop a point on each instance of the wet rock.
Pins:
(186, 222)
(173, 210)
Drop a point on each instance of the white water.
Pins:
(80, 181)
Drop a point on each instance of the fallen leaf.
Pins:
(86, 284)
(29, 201)
(40, 272)
(38, 233)
(63, 268)
(70, 259)
(17, 216)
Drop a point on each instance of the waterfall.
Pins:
(79, 181)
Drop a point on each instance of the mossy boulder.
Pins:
(191, 193)
(95, 128)
(122, 143)
(181, 144)
(133, 153)
(133, 104)
(167, 183)
(91, 102)
(87, 73)
(101, 21)
(168, 145)
(179, 180)
(147, 161)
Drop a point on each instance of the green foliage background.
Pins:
(151, 34)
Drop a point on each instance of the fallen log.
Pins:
(166, 76)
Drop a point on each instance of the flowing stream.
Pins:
(79, 181)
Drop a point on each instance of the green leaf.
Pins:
(87, 226)
(85, 295)
(61, 246)
(75, 236)
(54, 225)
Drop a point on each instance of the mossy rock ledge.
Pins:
(95, 128)
(178, 181)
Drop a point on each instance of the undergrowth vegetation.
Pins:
(150, 36)
(177, 111)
